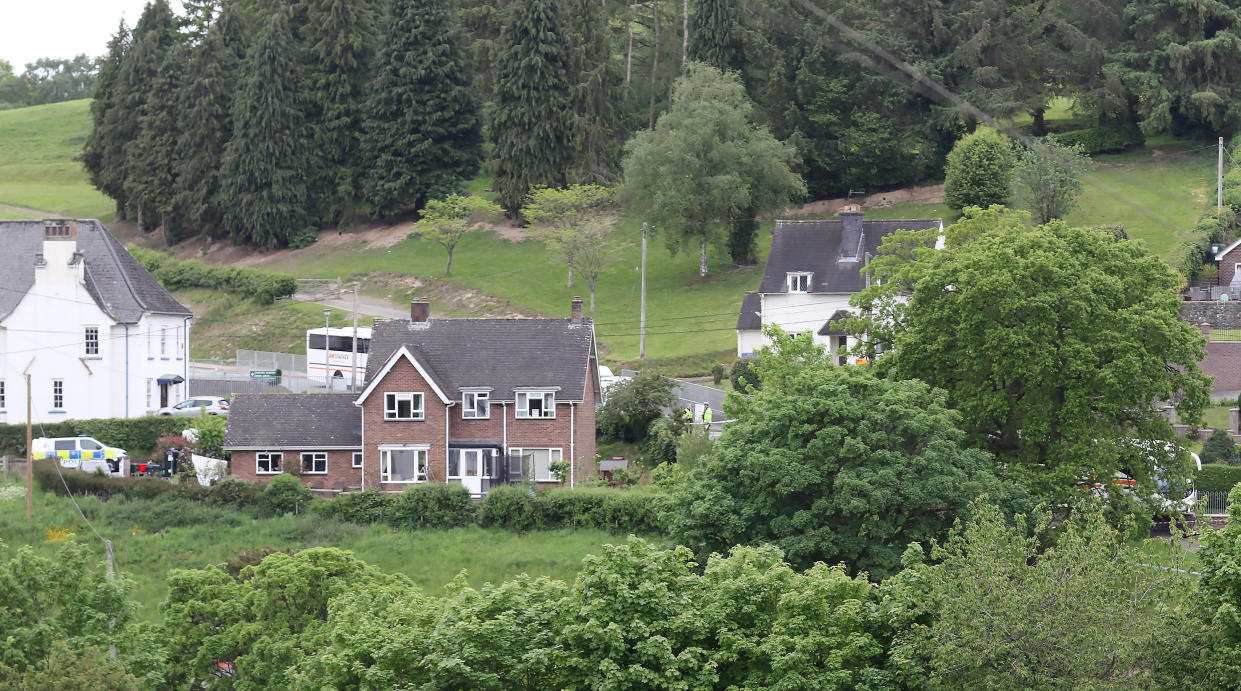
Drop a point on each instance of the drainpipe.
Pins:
(572, 441)
(126, 369)
(185, 355)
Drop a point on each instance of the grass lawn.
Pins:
(431, 558)
(38, 170)
(1216, 417)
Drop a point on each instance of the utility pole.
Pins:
(29, 458)
(353, 366)
(1219, 179)
(327, 348)
(107, 548)
(642, 317)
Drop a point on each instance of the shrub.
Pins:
(235, 492)
(102, 486)
(252, 557)
(744, 374)
(509, 506)
(692, 447)
(168, 510)
(1219, 448)
(285, 494)
(661, 442)
(370, 506)
(433, 505)
(135, 435)
(978, 171)
(718, 372)
(263, 286)
(631, 406)
(1217, 478)
(1105, 139)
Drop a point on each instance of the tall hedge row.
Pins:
(1216, 477)
(173, 274)
(135, 434)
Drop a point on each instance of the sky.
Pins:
(33, 29)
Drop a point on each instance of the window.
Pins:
(799, 282)
(357, 460)
(475, 405)
(180, 340)
(1, 394)
(163, 340)
(92, 340)
(403, 464)
(66, 444)
(150, 352)
(538, 461)
(150, 387)
(90, 445)
(58, 394)
(316, 341)
(403, 406)
(267, 462)
(536, 404)
(314, 463)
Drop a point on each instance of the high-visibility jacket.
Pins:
(706, 416)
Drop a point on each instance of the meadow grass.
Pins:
(430, 558)
(39, 148)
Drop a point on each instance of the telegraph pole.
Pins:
(29, 458)
(1219, 179)
(353, 366)
(642, 317)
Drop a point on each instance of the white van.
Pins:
(82, 453)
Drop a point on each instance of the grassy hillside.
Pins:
(38, 170)
(222, 324)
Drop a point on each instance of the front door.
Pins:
(472, 470)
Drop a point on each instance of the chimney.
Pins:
(850, 232)
(575, 313)
(420, 311)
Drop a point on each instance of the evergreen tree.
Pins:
(714, 35)
(337, 45)
(423, 125)
(208, 124)
(598, 131)
(531, 118)
(265, 163)
(151, 158)
(979, 169)
(101, 154)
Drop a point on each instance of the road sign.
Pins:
(263, 374)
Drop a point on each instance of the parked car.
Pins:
(81, 453)
(214, 405)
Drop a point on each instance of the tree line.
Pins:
(47, 80)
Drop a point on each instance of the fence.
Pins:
(1216, 502)
(287, 363)
(309, 289)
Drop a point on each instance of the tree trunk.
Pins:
(592, 293)
(684, 31)
(629, 48)
(448, 267)
(141, 224)
(120, 210)
(702, 257)
(654, 61)
(1039, 128)
(570, 276)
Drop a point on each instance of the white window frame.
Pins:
(150, 348)
(799, 281)
(150, 388)
(180, 340)
(58, 394)
(522, 409)
(269, 456)
(392, 400)
(385, 473)
(468, 405)
(556, 453)
(90, 341)
(356, 460)
(315, 457)
(163, 341)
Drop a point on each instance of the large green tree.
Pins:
(1047, 179)
(265, 163)
(706, 163)
(445, 221)
(531, 118)
(715, 34)
(423, 127)
(103, 156)
(597, 95)
(1056, 344)
(980, 167)
(152, 158)
(831, 464)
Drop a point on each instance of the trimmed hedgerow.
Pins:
(173, 274)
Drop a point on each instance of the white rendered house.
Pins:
(812, 271)
(98, 335)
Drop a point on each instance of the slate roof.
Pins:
(814, 246)
(834, 326)
(750, 318)
(504, 354)
(121, 287)
(293, 421)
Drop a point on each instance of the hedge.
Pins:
(1216, 477)
(623, 511)
(1106, 139)
(134, 434)
(173, 274)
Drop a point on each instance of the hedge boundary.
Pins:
(132, 434)
(175, 274)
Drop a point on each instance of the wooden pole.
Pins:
(642, 316)
(353, 381)
(29, 457)
(1219, 179)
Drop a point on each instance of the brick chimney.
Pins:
(575, 312)
(420, 311)
(850, 232)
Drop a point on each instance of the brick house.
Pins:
(480, 402)
(317, 436)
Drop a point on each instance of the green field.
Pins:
(431, 558)
(38, 167)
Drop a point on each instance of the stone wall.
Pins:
(1225, 315)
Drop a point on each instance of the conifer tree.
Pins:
(423, 121)
(714, 35)
(531, 118)
(101, 154)
(208, 124)
(598, 130)
(337, 39)
(264, 174)
(151, 158)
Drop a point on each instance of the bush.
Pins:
(1217, 478)
(1105, 139)
(718, 372)
(978, 171)
(264, 286)
(661, 442)
(433, 505)
(285, 494)
(370, 506)
(135, 434)
(508, 506)
(235, 492)
(103, 486)
(1219, 448)
(745, 373)
(623, 511)
(631, 406)
(168, 510)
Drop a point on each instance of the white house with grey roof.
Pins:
(813, 269)
(97, 334)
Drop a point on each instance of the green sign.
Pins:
(263, 374)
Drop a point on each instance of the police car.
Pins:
(82, 453)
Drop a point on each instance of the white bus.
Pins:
(329, 356)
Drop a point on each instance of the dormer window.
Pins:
(799, 282)
(536, 404)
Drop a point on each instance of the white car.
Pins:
(213, 405)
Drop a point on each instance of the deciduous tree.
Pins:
(1047, 179)
(445, 221)
(573, 223)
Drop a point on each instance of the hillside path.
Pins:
(26, 212)
(374, 307)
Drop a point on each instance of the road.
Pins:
(370, 306)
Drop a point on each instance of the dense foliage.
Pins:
(979, 169)
(176, 274)
(134, 434)
(631, 405)
(1220, 448)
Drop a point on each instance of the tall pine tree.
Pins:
(207, 97)
(598, 85)
(265, 163)
(714, 35)
(337, 39)
(103, 155)
(151, 158)
(531, 118)
(424, 124)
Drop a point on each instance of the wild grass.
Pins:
(224, 323)
(39, 166)
(206, 535)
